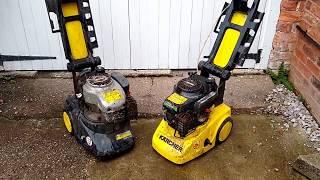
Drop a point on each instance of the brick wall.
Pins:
(305, 56)
(284, 41)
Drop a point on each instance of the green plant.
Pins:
(281, 77)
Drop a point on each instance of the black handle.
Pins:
(225, 7)
(218, 24)
(79, 66)
(52, 7)
(214, 70)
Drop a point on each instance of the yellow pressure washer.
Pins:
(195, 117)
(99, 112)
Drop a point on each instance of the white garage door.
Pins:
(132, 34)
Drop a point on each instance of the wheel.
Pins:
(67, 122)
(224, 131)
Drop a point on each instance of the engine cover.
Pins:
(179, 107)
(104, 92)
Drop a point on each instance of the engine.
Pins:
(105, 99)
(179, 108)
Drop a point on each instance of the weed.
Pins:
(281, 77)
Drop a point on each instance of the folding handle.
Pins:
(225, 7)
(212, 69)
(218, 24)
(79, 66)
(52, 10)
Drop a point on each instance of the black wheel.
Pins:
(224, 131)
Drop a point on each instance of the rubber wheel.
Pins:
(224, 131)
(67, 122)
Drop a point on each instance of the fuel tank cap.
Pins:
(99, 80)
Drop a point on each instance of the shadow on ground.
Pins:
(257, 149)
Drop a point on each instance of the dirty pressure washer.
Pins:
(195, 117)
(99, 112)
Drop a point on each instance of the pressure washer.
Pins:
(99, 112)
(195, 117)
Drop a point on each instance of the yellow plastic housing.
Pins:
(75, 34)
(229, 41)
(67, 122)
(182, 150)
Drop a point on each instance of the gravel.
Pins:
(281, 101)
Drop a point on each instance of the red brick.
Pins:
(300, 82)
(289, 16)
(301, 65)
(291, 46)
(311, 50)
(317, 97)
(312, 67)
(301, 41)
(308, 5)
(316, 2)
(308, 52)
(314, 105)
(309, 18)
(315, 70)
(289, 5)
(302, 71)
(283, 26)
(293, 77)
(283, 47)
(304, 24)
(285, 37)
(314, 33)
(301, 5)
(315, 82)
(296, 78)
(311, 44)
(303, 57)
(315, 10)
(282, 55)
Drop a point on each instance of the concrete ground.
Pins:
(256, 149)
(35, 145)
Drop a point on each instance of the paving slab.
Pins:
(308, 165)
(258, 148)
(242, 92)
(19, 74)
(127, 73)
(44, 97)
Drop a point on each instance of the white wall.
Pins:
(132, 34)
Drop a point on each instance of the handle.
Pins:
(218, 24)
(52, 7)
(225, 7)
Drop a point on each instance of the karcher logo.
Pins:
(171, 143)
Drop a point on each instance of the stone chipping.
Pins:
(281, 101)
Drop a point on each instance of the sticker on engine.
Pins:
(170, 106)
(112, 96)
(124, 135)
(177, 99)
